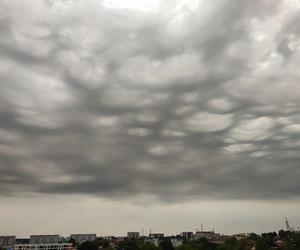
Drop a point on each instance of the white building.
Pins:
(7, 241)
(156, 235)
(109, 237)
(133, 235)
(209, 235)
(187, 235)
(44, 239)
(54, 246)
(80, 238)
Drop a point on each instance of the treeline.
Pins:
(283, 240)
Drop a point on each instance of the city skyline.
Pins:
(141, 232)
(117, 114)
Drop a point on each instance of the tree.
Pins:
(270, 238)
(102, 243)
(128, 245)
(246, 244)
(287, 246)
(200, 244)
(88, 245)
(284, 234)
(296, 238)
(188, 245)
(166, 244)
(261, 244)
(253, 236)
(71, 240)
(204, 244)
(148, 246)
(230, 244)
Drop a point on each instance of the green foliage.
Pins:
(253, 236)
(88, 245)
(267, 241)
(283, 235)
(246, 244)
(102, 243)
(261, 244)
(296, 239)
(148, 246)
(201, 244)
(231, 244)
(205, 244)
(186, 246)
(166, 244)
(288, 246)
(128, 245)
(270, 238)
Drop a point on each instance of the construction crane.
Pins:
(287, 225)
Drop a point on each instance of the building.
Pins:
(80, 238)
(154, 241)
(63, 239)
(156, 235)
(44, 239)
(109, 237)
(51, 246)
(187, 235)
(20, 241)
(240, 236)
(8, 241)
(209, 235)
(133, 235)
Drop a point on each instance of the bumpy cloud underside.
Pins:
(190, 99)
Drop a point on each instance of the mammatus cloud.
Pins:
(191, 99)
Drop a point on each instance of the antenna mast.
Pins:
(287, 224)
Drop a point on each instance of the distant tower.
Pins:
(201, 228)
(287, 225)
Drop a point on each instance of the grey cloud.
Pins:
(176, 104)
(289, 36)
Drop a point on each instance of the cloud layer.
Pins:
(191, 99)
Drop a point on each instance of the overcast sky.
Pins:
(118, 115)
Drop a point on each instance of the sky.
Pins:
(118, 115)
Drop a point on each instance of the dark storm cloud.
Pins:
(182, 102)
